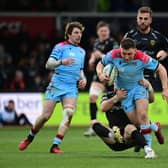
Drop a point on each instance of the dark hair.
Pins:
(11, 101)
(70, 26)
(145, 9)
(102, 24)
(127, 43)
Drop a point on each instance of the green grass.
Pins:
(79, 151)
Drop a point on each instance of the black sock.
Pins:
(138, 138)
(30, 138)
(93, 111)
(100, 130)
(54, 145)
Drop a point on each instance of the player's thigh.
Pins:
(69, 102)
(49, 106)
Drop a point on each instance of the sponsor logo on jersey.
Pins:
(152, 42)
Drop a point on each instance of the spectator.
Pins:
(8, 116)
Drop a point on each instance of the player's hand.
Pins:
(144, 82)
(161, 55)
(165, 94)
(103, 78)
(98, 54)
(121, 94)
(82, 83)
(67, 61)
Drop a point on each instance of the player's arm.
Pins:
(164, 81)
(99, 69)
(83, 80)
(53, 63)
(107, 104)
(93, 57)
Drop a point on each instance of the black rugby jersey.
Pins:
(149, 43)
(104, 47)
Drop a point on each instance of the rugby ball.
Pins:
(111, 71)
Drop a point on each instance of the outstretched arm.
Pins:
(106, 105)
(163, 77)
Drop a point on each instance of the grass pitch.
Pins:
(79, 151)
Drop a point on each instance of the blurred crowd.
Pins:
(77, 6)
(22, 59)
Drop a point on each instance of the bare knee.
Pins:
(93, 98)
(67, 116)
(143, 119)
(45, 116)
(128, 130)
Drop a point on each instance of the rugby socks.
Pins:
(101, 130)
(31, 135)
(93, 111)
(154, 126)
(58, 139)
(138, 138)
(146, 132)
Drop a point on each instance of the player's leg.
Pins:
(156, 127)
(145, 128)
(95, 90)
(69, 105)
(49, 106)
(107, 134)
(131, 133)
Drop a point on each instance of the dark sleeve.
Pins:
(164, 43)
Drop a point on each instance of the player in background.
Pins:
(121, 133)
(130, 64)
(102, 45)
(151, 42)
(67, 61)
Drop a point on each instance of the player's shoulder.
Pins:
(113, 41)
(96, 42)
(116, 53)
(158, 34)
(131, 32)
(61, 44)
(139, 55)
(81, 49)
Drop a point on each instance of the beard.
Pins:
(143, 27)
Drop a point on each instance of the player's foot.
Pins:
(159, 135)
(117, 135)
(89, 132)
(25, 143)
(150, 154)
(56, 150)
(137, 148)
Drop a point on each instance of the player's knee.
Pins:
(143, 117)
(67, 116)
(93, 98)
(128, 130)
(45, 116)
